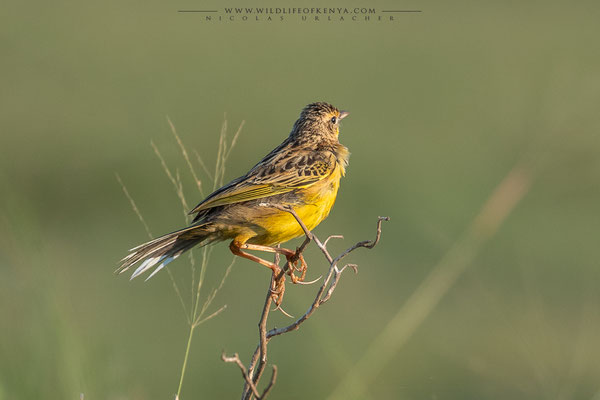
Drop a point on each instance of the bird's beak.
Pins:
(343, 114)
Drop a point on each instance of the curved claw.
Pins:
(309, 283)
(278, 308)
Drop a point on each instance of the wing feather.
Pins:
(274, 175)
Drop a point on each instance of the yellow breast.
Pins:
(317, 201)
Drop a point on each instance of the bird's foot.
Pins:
(292, 266)
(277, 286)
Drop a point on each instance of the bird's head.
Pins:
(320, 119)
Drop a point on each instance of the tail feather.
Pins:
(163, 250)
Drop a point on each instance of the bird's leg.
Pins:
(277, 275)
(286, 252)
(291, 256)
(236, 248)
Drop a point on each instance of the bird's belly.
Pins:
(315, 204)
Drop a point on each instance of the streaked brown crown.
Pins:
(318, 110)
(317, 124)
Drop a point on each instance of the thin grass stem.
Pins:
(196, 314)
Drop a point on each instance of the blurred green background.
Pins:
(443, 104)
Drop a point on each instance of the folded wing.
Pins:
(277, 176)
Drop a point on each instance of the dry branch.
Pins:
(258, 361)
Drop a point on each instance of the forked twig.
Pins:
(236, 359)
(258, 361)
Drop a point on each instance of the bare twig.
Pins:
(260, 354)
(258, 360)
(236, 359)
(271, 383)
(332, 276)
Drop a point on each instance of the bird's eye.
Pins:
(333, 120)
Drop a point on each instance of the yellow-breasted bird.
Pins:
(302, 172)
